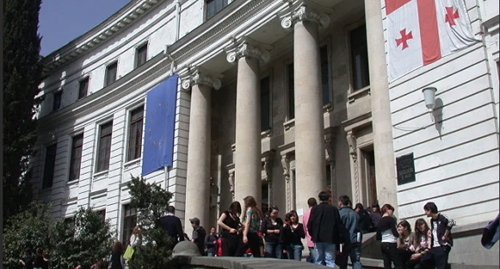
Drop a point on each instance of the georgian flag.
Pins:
(421, 32)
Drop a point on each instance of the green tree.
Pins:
(151, 201)
(21, 78)
(29, 229)
(81, 240)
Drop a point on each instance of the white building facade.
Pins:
(275, 99)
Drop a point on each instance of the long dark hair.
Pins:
(251, 203)
(235, 208)
(419, 222)
(118, 248)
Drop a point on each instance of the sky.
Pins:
(61, 21)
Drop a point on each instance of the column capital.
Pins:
(198, 75)
(304, 12)
(247, 47)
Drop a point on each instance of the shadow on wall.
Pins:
(437, 115)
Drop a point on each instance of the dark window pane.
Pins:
(111, 73)
(57, 100)
(141, 55)
(76, 157)
(291, 92)
(325, 84)
(50, 162)
(104, 147)
(265, 104)
(84, 88)
(214, 6)
(135, 134)
(129, 222)
(359, 57)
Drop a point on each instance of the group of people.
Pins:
(39, 260)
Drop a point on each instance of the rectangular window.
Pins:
(76, 157)
(214, 6)
(111, 73)
(129, 222)
(265, 104)
(84, 88)
(104, 146)
(359, 58)
(102, 214)
(141, 55)
(50, 163)
(291, 92)
(325, 84)
(57, 101)
(135, 133)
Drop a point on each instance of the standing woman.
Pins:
(117, 261)
(387, 232)
(251, 219)
(293, 234)
(40, 261)
(229, 221)
(271, 227)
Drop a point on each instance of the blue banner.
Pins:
(160, 124)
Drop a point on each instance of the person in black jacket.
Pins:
(388, 234)
(172, 225)
(365, 222)
(198, 236)
(293, 233)
(326, 230)
(441, 235)
(272, 227)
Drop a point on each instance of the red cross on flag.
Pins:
(420, 32)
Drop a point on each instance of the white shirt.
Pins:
(388, 237)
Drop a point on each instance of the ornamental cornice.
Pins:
(99, 34)
(246, 47)
(304, 11)
(198, 75)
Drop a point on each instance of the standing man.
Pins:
(311, 202)
(326, 230)
(199, 234)
(441, 235)
(172, 225)
(352, 247)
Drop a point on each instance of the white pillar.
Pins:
(309, 127)
(385, 172)
(248, 142)
(198, 164)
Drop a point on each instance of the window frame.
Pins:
(352, 66)
(290, 91)
(140, 58)
(74, 158)
(57, 100)
(329, 75)
(208, 16)
(84, 93)
(107, 76)
(49, 168)
(140, 133)
(102, 165)
(129, 213)
(269, 76)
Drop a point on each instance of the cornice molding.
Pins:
(108, 29)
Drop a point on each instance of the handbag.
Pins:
(128, 253)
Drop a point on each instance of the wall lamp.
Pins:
(430, 97)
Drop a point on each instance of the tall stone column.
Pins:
(248, 143)
(309, 127)
(198, 164)
(385, 172)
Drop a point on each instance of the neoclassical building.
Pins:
(278, 99)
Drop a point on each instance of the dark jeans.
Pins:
(253, 243)
(273, 250)
(230, 243)
(310, 258)
(294, 252)
(390, 255)
(352, 250)
(440, 256)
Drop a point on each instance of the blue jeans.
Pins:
(310, 258)
(294, 252)
(354, 251)
(324, 252)
(273, 250)
(210, 254)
